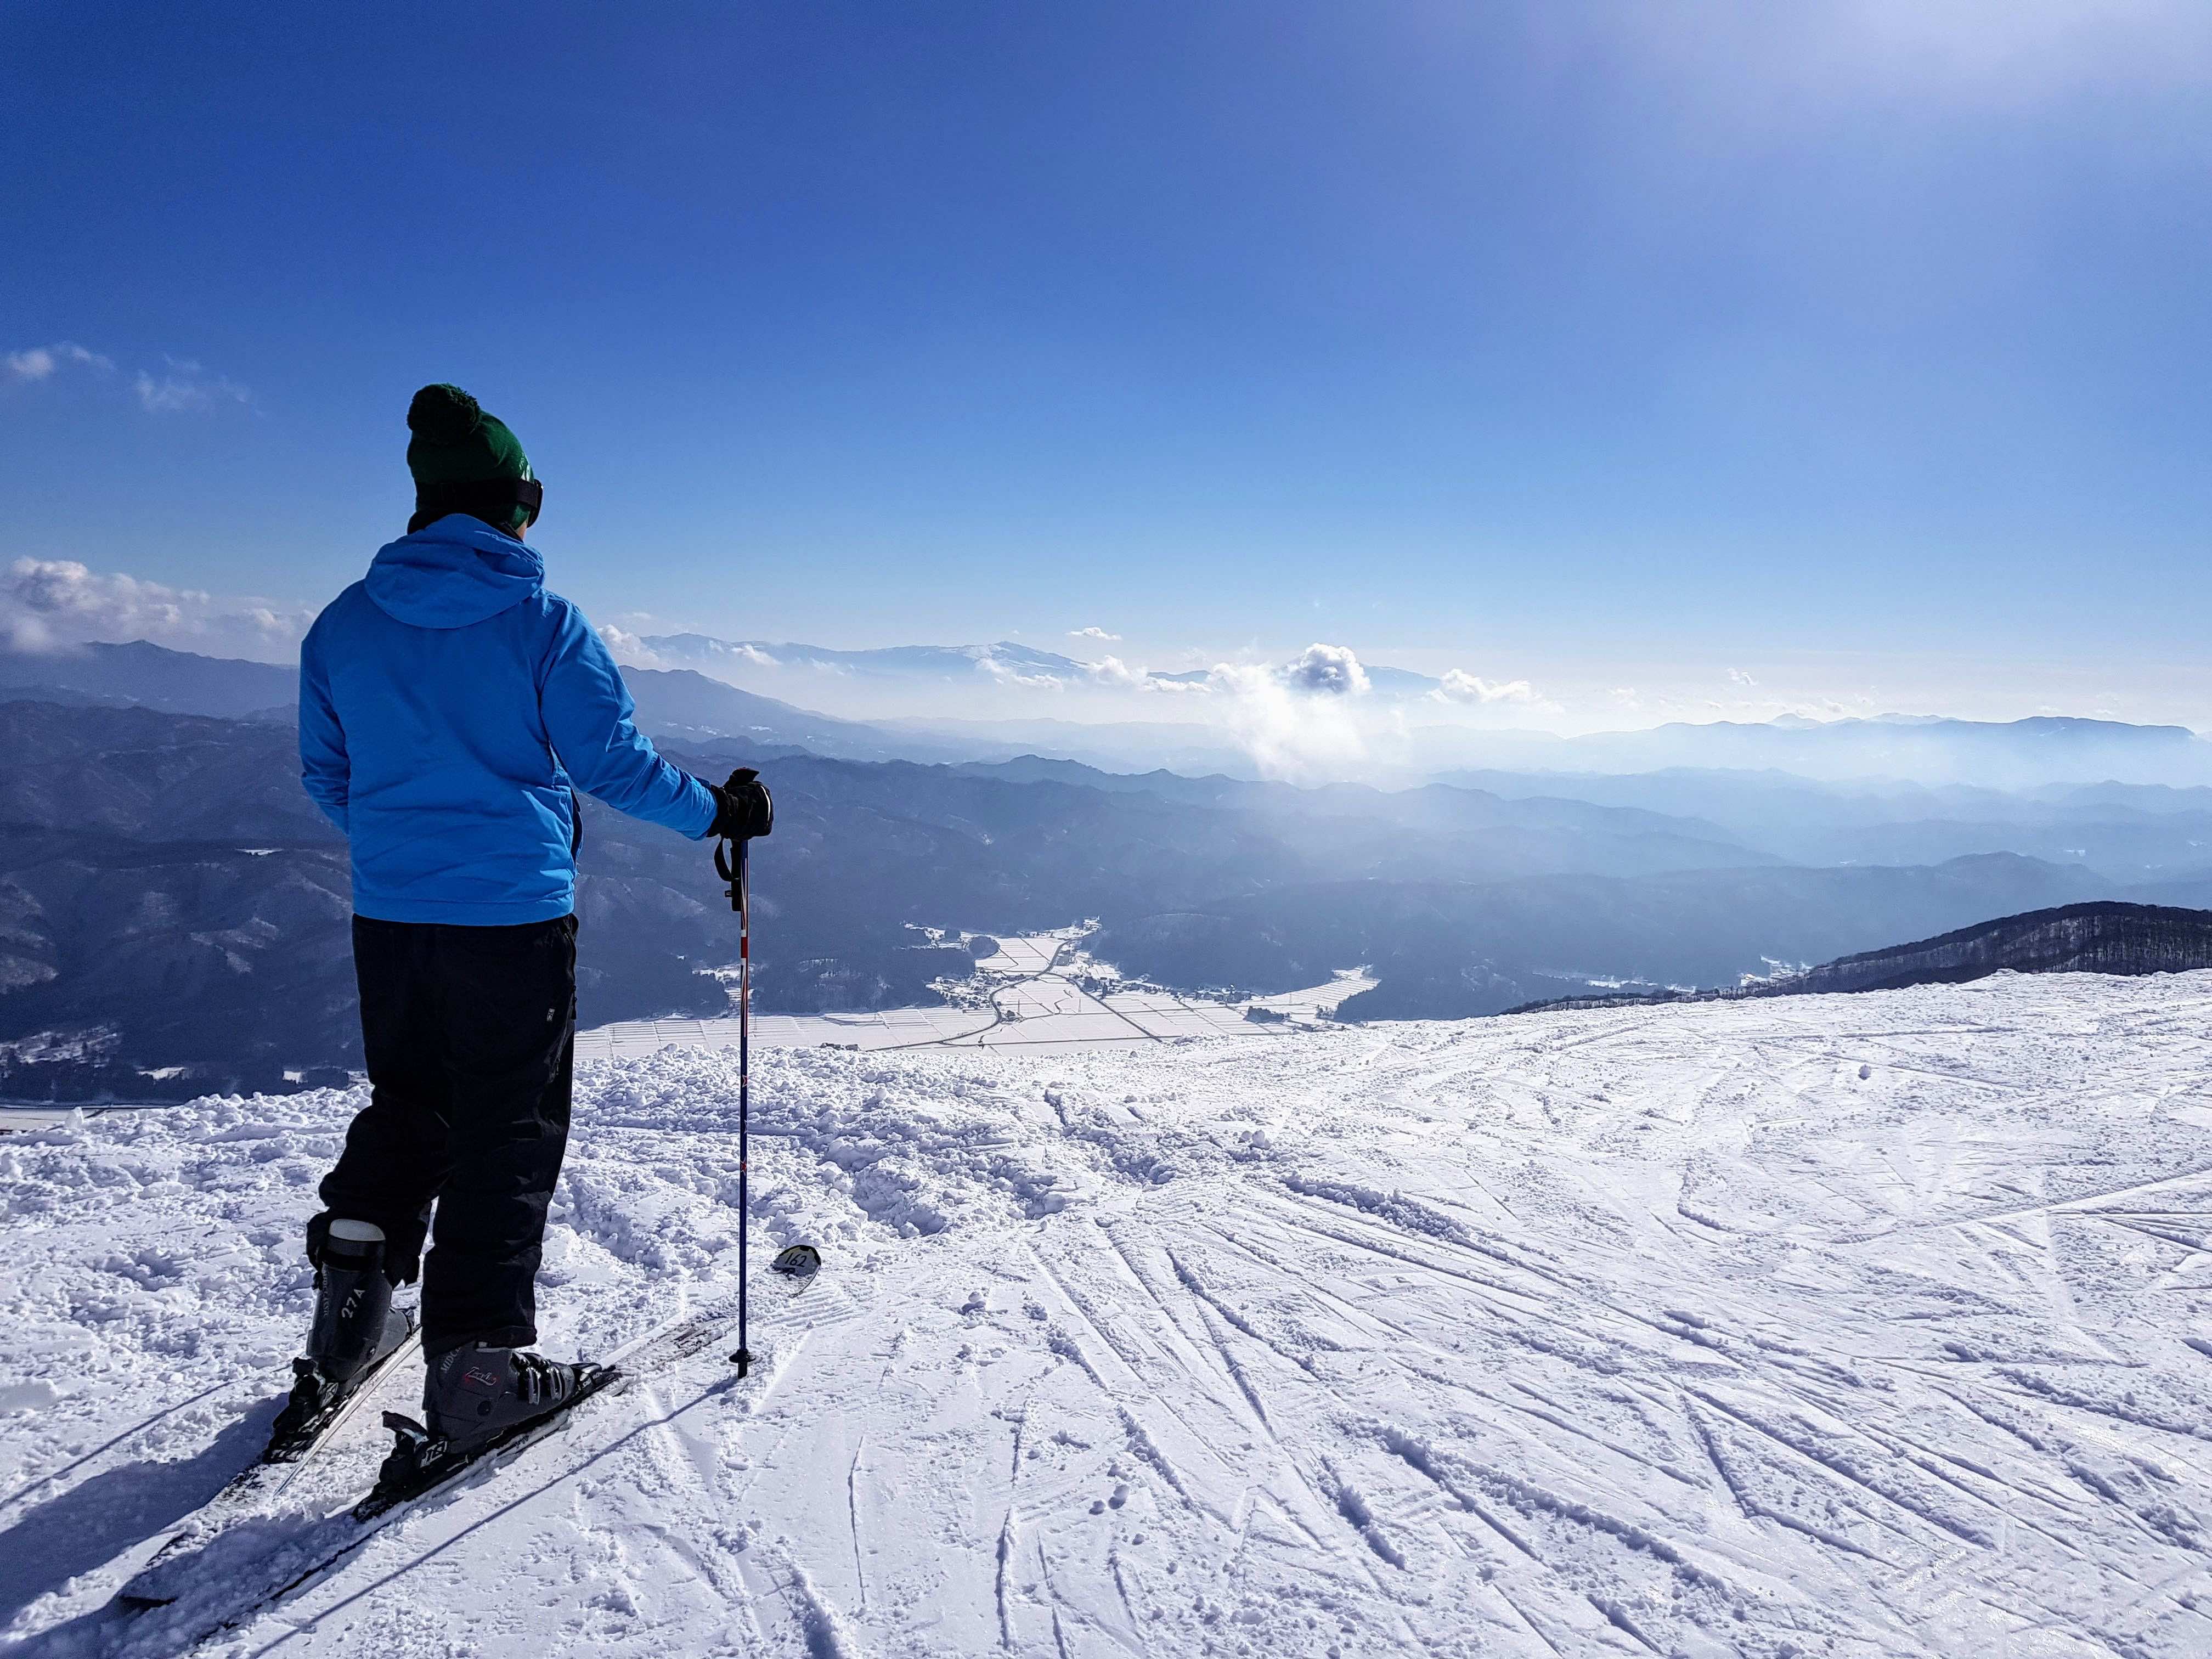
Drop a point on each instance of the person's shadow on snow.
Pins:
(98, 1519)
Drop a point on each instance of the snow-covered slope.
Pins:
(1849, 1326)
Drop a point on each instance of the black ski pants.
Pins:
(470, 1034)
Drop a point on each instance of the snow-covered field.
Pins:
(1020, 997)
(1847, 1326)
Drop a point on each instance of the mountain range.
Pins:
(171, 904)
(954, 664)
(169, 898)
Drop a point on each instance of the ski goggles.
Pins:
(484, 498)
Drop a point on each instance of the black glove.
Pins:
(743, 810)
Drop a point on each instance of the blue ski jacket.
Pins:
(448, 702)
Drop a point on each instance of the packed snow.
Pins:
(1851, 1326)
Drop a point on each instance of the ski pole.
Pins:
(740, 901)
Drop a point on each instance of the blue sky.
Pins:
(1857, 348)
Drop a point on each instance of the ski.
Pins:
(315, 1416)
(422, 1475)
(796, 1267)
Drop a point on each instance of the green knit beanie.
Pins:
(456, 444)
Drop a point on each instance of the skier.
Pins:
(447, 704)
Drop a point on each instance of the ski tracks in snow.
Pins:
(1860, 1326)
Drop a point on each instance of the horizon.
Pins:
(1611, 371)
(634, 659)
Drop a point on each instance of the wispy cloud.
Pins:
(1737, 677)
(182, 386)
(50, 605)
(1007, 674)
(1097, 633)
(1173, 685)
(186, 388)
(751, 655)
(40, 362)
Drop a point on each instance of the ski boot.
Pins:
(355, 1331)
(478, 1391)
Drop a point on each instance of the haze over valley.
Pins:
(174, 910)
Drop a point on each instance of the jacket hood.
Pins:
(453, 574)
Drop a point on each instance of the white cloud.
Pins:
(1737, 677)
(1331, 670)
(1098, 633)
(50, 604)
(40, 362)
(1460, 686)
(186, 388)
(629, 650)
(1112, 670)
(1291, 734)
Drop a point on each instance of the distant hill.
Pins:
(139, 772)
(175, 682)
(2101, 937)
